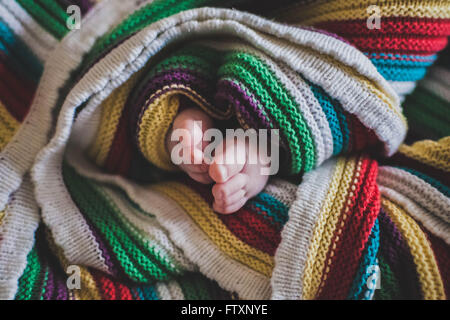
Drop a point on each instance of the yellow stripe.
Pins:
(353, 174)
(159, 116)
(111, 109)
(429, 276)
(193, 204)
(155, 124)
(8, 126)
(2, 216)
(433, 153)
(89, 290)
(326, 226)
(340, 10)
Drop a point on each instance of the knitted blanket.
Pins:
(87, 185)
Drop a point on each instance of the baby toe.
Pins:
(234, 184)
(232, 208)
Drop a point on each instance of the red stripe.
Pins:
(398, 44)
(356, 232)
(251, 228)
(119, 156)
(106, 286)
(248, 224)
(329, 261)
(389, 26)
(124, 292)
(15, 93)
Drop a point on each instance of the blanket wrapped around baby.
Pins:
(87, 187)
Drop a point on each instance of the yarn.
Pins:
(86, 181)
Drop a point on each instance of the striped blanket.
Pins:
(92, 208)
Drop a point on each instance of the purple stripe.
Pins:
(103, 248)
(49, 286)
(230, 92)
(61, 289)
(397, 255)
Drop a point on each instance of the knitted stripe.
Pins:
(111, 108)
(397, 258)
(413, 26)
(436, 154)
(143, 261)
(355, 227)
(102, 229)
(429, 277)
(389, 287)
(325, 228)
(213, 227)
(435, 183)
(343, 10)
(367, 268)
(441, 253)
(258, 223)
(8, 126)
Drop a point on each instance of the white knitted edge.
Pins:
(18, 155)
(292, 253)
(281, 190)
(431, 222)
(416, 206)
(126, 59)
(36, 37)
(410, 185)
(17, 238)
(184, 232)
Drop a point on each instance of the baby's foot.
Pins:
(194, 122)
(236, 181)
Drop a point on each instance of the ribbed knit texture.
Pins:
(86, 180)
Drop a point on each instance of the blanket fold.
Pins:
(89, 189)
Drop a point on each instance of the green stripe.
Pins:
(139, 262)
(292, 127)
(48, 22)
(145, 16)
(27, 281)
(389, 288)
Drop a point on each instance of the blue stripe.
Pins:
(368, 266)
(16, 49)
(274, 208)
(332, 117)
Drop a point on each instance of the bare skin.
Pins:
(234, 182)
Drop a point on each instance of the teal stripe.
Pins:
(17, 50)
(274, 208)
(149, 293)
(367, 267)
(331, 115)
(394, 73)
